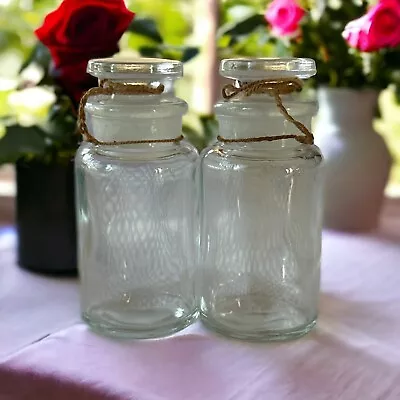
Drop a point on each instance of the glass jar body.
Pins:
(260, 227)
(136, 224)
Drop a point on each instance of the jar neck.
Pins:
(259, 116)
(132, 117)
(131, 129)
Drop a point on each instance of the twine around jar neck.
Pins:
(275, 88)
(107, 87)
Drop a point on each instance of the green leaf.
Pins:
(40, 55)
(397, 93)
(189, 53)
(180, 53)
(20, 141)
(9, 39)
(210, 127)
(174, 18)
(61, 127)
(47, 80)
(150, 51)
(206, 131)
(146, 27)
(393, 57)
(242, 27)
(194, 137)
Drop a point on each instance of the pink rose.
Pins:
(377, 29)
(284, 16)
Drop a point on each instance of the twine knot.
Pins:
(107, 87)
(275, 88)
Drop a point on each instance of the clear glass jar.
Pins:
(136, 206)
(261, 212)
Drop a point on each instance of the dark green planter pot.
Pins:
(45, 208)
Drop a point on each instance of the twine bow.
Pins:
(275, 88)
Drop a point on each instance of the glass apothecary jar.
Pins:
(136, 203)
(261, 206)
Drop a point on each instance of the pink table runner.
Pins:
(354, 354)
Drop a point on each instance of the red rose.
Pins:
(378, 29)
(78, 31)
(285, 16)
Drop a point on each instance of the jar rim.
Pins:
(143, 68)
(258, 68)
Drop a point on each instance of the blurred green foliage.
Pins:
(244, 32)
(160, 29)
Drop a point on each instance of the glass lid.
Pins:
(244, 69)
(142, 68)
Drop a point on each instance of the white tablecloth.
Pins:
(31, 306)
(354, 353)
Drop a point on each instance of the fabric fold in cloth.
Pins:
(78, 364)
(352, 355)
(32, 306)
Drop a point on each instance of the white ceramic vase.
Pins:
(357, 161)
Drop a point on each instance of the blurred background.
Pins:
(201, 31)
(181, 23)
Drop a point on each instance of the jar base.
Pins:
(258, 335)
(138, 324)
